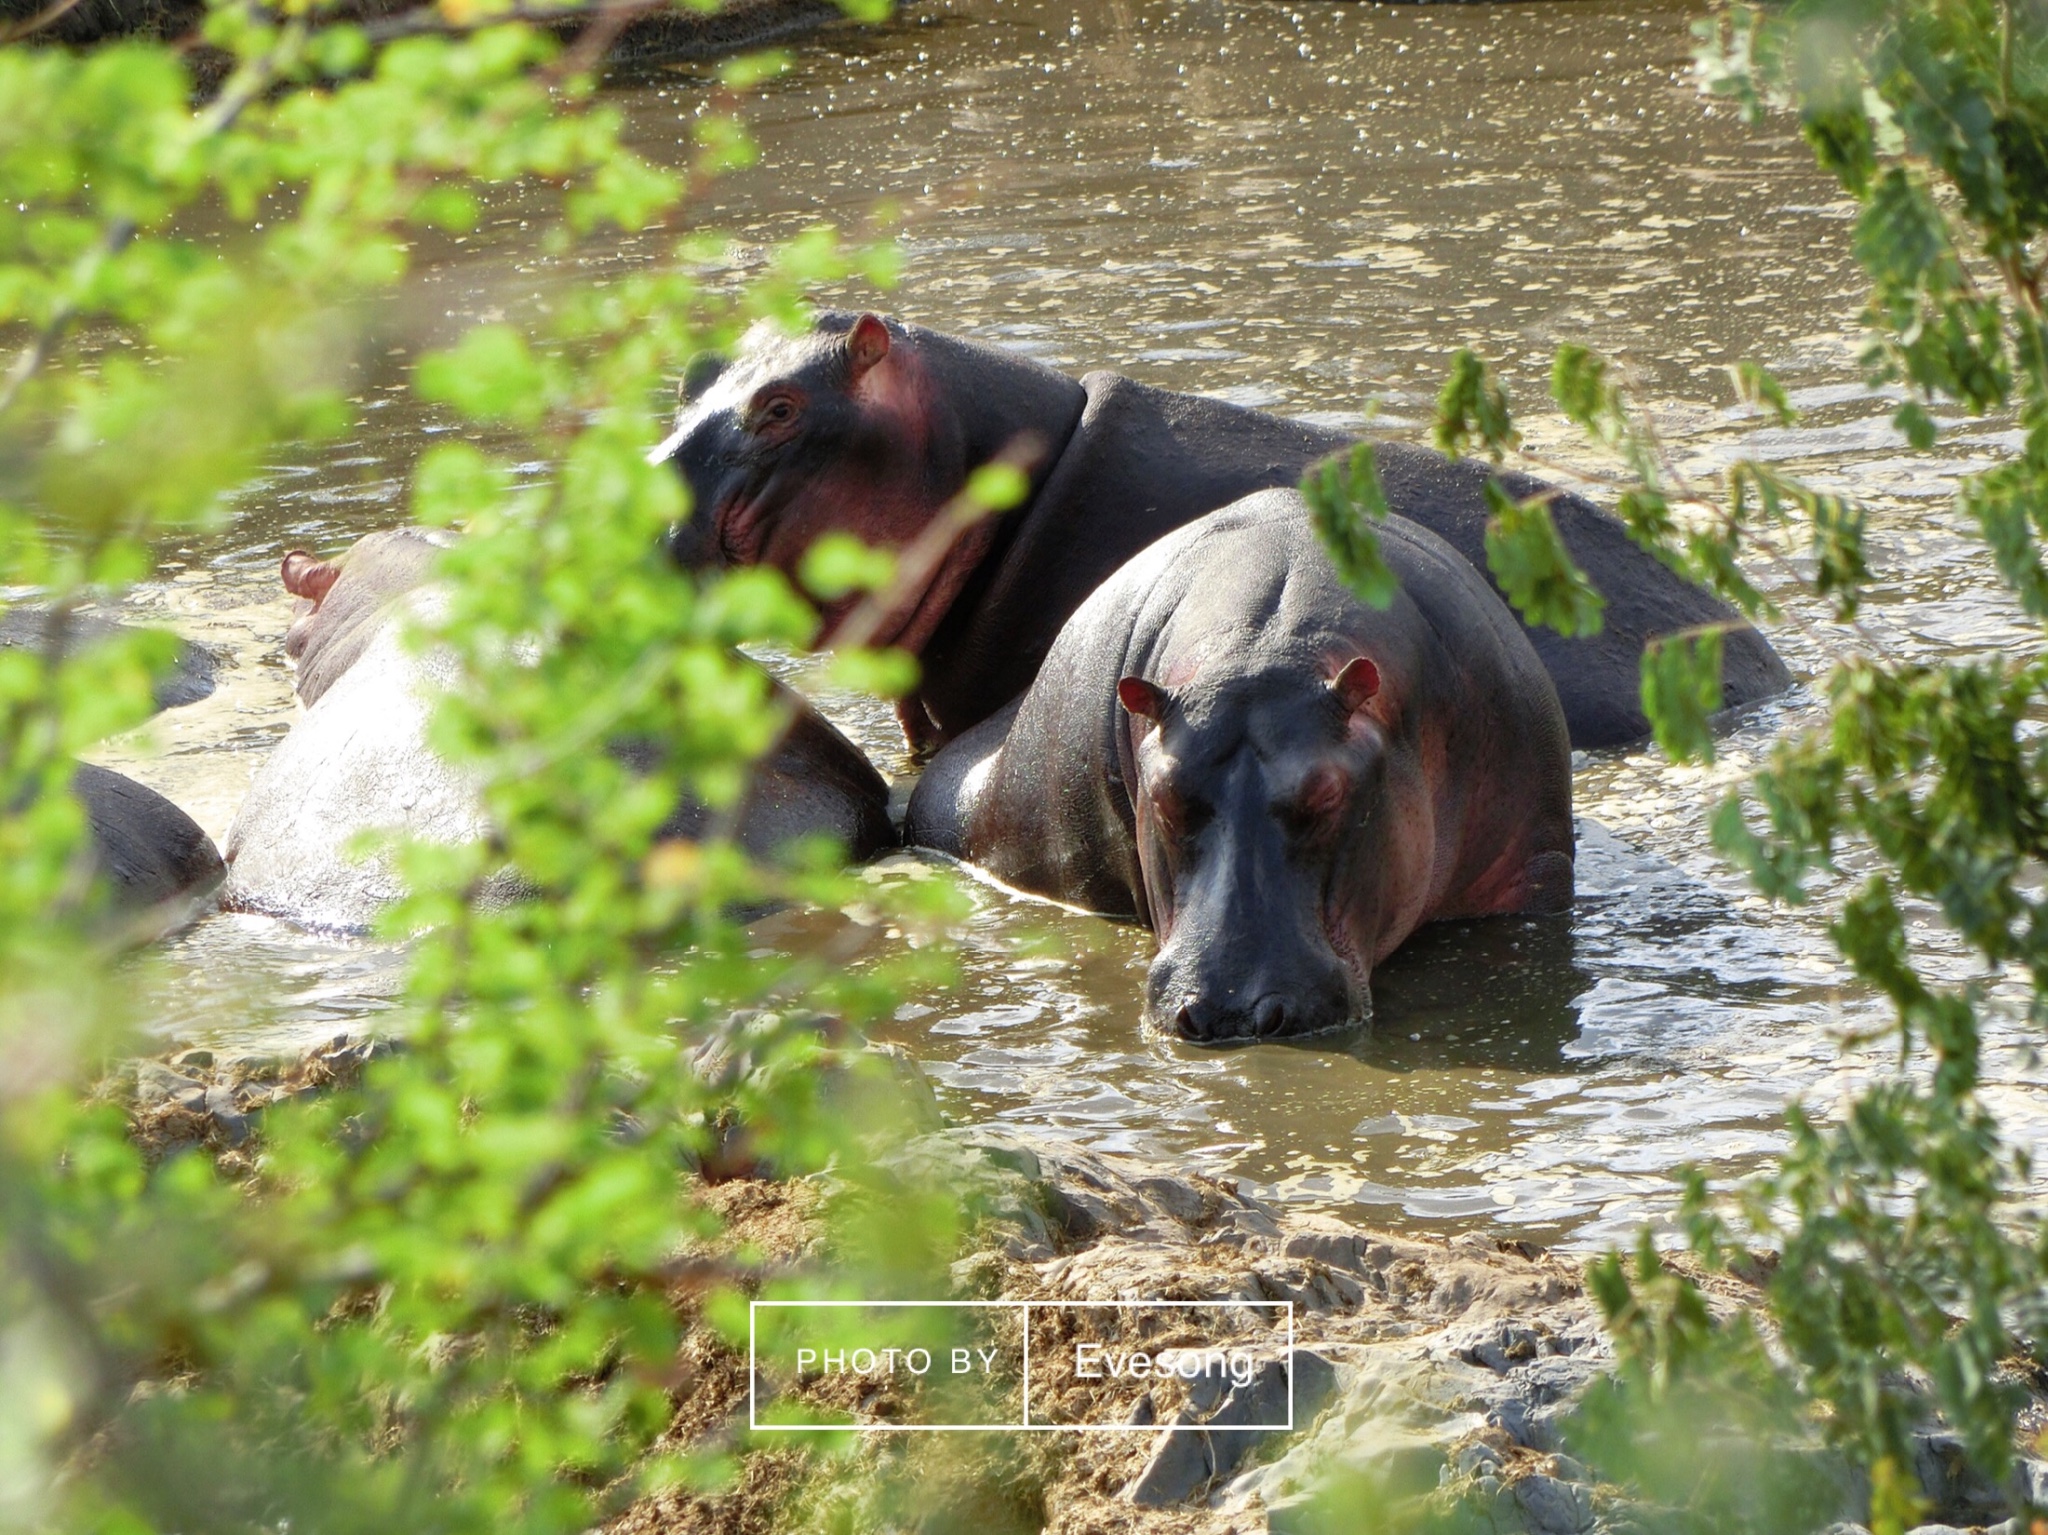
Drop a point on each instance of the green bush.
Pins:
(442, 1300)
(1912, 1269)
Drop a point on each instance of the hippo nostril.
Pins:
(1270, 1016)
(1184, 1022)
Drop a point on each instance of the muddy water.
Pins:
(1304, 209)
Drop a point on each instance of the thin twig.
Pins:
(916, 563)
(48, 16)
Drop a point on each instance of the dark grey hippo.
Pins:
(189, 678)
(358, 760)
(146, 853)
(1281, 782)
(871, 426)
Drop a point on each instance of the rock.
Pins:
(1475, 1459)
(232, 1124)
(157, 1083)
(191, 675)
(1570, 1470)
(2033, 1480)
(1432, 1376)
(1955, 1488)
(1179, 1468)
(1554, 1507)
(1206, 1445)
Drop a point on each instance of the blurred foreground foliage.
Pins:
(447, 1297)
(1911, 1272)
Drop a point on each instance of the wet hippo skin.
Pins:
(146, 851)
(870, 425)
(358, 759)
(189, 678)
(1281, 782)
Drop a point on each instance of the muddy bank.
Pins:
(1440, 1374)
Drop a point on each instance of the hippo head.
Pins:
(1262, 826)
(344, 602)
(838, 429)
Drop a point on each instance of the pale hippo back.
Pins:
(356, 763)
(357, 766)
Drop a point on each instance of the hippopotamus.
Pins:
(869, 425)
(1281, 782)
(146, 852)
(358, 758)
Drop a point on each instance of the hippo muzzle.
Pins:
(1246, 949)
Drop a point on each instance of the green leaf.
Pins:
(1345, 498)
(1682, 692)
(877, 673)
(1840, 570)
(490, 375)
(1919, 428)
(1472, 407)
(1578, 382)
(454, 482)
(1536, 572)
(748, 70)
(839, 564)
(1758, 388)
(997, 487)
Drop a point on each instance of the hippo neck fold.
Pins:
(993, 396)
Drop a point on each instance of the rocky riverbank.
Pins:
(1438, 1378)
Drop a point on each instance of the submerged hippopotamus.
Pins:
(358, 759)
(146, 852)
(871, 426)
(1280, 781)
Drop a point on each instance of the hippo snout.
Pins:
(1216, 1014)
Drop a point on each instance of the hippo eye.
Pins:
(1321, 795)
(775, 412)
(1178, 815)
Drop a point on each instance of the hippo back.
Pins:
(330, 634)
(1042, 799)
(358, 762)
(146, 850)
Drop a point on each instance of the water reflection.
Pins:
(1498, 994)
(1306, 209)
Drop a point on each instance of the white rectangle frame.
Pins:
(755, 1425)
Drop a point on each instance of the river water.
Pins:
(1304, 209)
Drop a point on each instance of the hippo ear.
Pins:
(1356, 685)
(702, 372)
(304, 576)
(866, 344)
(1147, 700)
